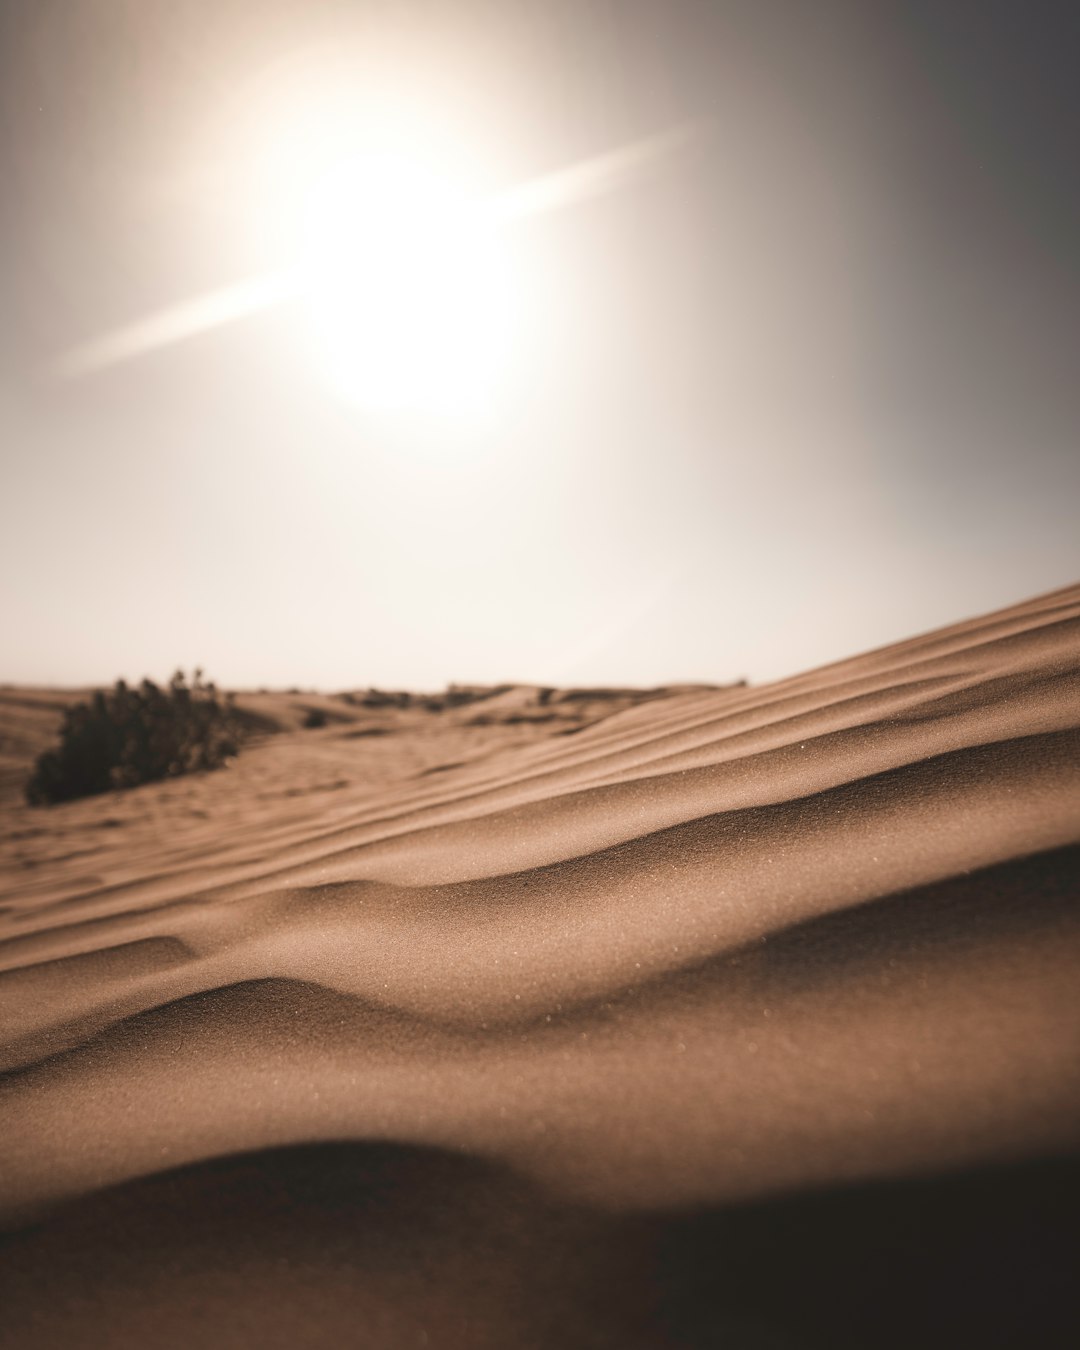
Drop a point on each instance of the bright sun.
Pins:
(394, 240)
(406, 283)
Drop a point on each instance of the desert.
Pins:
(539, 675)
(499, 1020)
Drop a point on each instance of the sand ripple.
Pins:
(721, 946)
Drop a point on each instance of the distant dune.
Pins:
(703, 1016)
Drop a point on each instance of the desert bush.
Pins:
(385, 698)
(126, 736)
(315, 718)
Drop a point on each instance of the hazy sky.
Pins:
(800, 381)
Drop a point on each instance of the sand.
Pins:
(733, 1016)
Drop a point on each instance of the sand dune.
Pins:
(489, 1022)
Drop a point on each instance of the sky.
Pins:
(678, 342)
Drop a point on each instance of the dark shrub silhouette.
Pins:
(314, 718)
(128, 736)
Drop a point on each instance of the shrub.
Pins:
(314, 718)
(128, 736)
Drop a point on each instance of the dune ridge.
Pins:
(717, 946)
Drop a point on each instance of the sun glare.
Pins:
(406, 285)
(385, 228)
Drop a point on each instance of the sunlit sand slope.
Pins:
(721, 946)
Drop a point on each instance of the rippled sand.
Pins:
(741, 1017)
